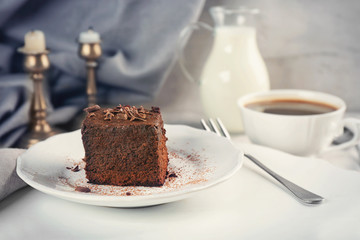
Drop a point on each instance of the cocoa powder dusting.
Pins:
(186, 167)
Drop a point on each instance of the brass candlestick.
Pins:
(90, 52)
(39, 129)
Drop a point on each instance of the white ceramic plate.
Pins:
(197, 160)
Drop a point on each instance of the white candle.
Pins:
(90, 36)
(35, 41)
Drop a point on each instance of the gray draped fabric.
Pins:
(9, 180)
(138, 40)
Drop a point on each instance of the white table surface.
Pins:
(248, 206)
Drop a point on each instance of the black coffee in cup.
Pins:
(291, 107)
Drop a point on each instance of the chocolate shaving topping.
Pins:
(122, 116)
(92, 108)
(118, 109)
(141, 112)
(82, 189)
(126, 113)
(76, 169)
(141, 109)
(134, 114)
(92, 114)
(172, 175)
(108, 114)
(131, 113)
(155, 109)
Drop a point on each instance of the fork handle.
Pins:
(303, 195)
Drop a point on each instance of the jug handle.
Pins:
(185, 33)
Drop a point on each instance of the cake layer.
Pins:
(125, 151)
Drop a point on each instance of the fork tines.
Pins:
(216, 127)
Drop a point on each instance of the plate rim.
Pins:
(133, 199)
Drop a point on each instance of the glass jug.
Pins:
(234, 67)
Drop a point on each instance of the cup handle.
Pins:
(184, 35)
(354, 126)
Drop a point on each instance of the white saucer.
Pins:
(198, 160)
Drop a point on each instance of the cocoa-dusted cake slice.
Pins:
(124, 146)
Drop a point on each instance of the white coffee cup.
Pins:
(297, 134)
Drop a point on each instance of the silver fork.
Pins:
(303, 195)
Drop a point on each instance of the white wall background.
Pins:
(306, 44)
